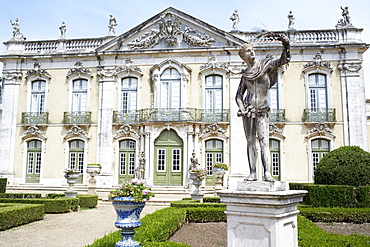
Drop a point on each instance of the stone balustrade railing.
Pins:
(90, 44)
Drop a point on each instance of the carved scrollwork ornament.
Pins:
(127, 130)
(213, 65)
(317, 63)
(128, 68)
(79, 69)
(76, 131)
(34, 131)
(320, 129)
(37, 71)
(212, 129)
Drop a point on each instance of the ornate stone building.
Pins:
(167, 87)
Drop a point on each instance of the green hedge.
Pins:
(88, 201)
(57, 205)
(185, 203)
(12, 215)
(363, 196)
(20, 195)
(206, 214)
(351, 215)
(3, 182)
(328, 195)
(311, 235)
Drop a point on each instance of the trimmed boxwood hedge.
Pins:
(57, 205)
(349, 215)
(20, 195)
(3, 182)
(12, 215)
(334, 195)
(88, 201)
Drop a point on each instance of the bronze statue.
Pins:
(256, 80)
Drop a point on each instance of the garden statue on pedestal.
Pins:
(140, 169)
(219, 170)
(197, 174)
(128, 201)
(256, 81)
(71, 176)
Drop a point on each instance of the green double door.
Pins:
(168, 160)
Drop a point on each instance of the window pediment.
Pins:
(317, 64)
(79, 70)
(37, 72)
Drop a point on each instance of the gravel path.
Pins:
(75, 229)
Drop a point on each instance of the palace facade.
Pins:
(167, 88)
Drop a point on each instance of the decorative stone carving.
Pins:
(17, 34)
(274, 130)
(63, 30)
(291, 21)
(346, 21)
(351, 68)
(320, 129)
(76, 131)
(106, 74)
(128, 68)
(170, 30)
(127, 130)
(37, 71)
(235, 19)
(79, 69)
(212, 64)
(214, 129)
(317, 63)
(112, 25)
(12, 76)
(34, 131)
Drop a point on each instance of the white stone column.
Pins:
(263, 219)
(105, 125)
(354, 111)
(8, 123)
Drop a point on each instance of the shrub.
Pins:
(205, 214)
(20, 195)
(363, 196)
(195, 203)
(12, 215)
(350, 215)
(347, 165)
(3, 182)
(88, 201)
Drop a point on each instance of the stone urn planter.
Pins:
(197, 178)
(71, 177)
(218, 173)
(92, 170)
(128, 218)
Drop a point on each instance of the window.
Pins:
(79, 95)
(176, 159)
(128, 94)
(38, 96)
(214, 154)
(170, 90)
(34, 157)
(274, 97)
(317, 92)
(320, 148)
(275, 158)
(161, 163)
(76, 155)
(127, 157)
(213, 90)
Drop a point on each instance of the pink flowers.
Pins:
(137, 189)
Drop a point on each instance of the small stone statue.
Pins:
(140, 169)
(345, 14)
(256, 80)
(112, 25)
(63, 30)
(17, 35)
(193, 162)
(235, 19)
(291, 20)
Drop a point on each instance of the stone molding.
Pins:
(213, 65)
(320, 129)
(76, 131)
(317, 63)
(34, 131)
(127, 130)
(37, 71)
(79, 69)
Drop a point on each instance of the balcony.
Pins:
(170, 115)
(35, 118)
(319, 115)
(83, 117)
(277, 115)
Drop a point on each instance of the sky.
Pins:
(40, 19)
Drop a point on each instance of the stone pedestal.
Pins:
(265, 217)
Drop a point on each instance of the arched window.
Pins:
(275, 158)
(213, 92)
(76, 156)
(128, 94)
(319, 148)
(127, 156)
(33, 161)
(214, 154)
(170, 89)
(38, 96)
(79, 95)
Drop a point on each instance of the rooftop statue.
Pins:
(235, 19)
(63, 30)
(112, 25)
(256, 80)
(291, 20)
(17, 34)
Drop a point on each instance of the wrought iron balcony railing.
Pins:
(35, 117)
(170, 115)
(83, 117)
(277, 115)
(319, 115)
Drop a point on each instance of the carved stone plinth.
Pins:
(260, 218)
